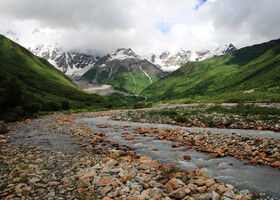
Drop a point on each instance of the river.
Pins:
(262, 179)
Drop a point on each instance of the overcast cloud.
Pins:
(146, 26)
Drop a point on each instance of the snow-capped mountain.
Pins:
(73, 64)
(124, 70)
(169, 62)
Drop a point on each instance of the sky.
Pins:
(146, 26)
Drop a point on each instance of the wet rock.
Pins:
(187, 157)
(214, 155)
(129, 138)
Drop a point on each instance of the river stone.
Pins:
(206, 196)
(230, 194)
(174, 183)
(133, 173)
(276, 164)
(137, 187)
(215, 195)
(155, 192)
(106, 190)
(155, 184)
(106, 180)
(125, 190)
(111, 163)
(139, 178)
(248, 149)
(187, 157)
(179, 193)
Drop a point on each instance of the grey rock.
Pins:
(155, 184)
(137, 187)
(230, 194)
(156, 191)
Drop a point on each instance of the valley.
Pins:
(185, 125)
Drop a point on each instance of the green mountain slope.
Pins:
(125, 71)
(29, 83)
(225, 78)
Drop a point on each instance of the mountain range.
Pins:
(169, 62)
(123, 69)
(73, 64)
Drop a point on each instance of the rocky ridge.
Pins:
(73, 64)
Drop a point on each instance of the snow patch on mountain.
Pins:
(73, 64)
(122, 54)
(169, 62)
(151, 81)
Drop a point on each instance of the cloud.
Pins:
(243, 22)
(147, 26)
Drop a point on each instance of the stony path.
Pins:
(54, 158)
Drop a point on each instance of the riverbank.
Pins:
(231, 116)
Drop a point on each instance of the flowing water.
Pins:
(262, 179)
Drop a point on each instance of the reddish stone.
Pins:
(125, 178)
(187, 157)
(276, 164)
(106, 180)
(129, 138)
(173, 183)
(214, 155)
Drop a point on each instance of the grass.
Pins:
(224, 78)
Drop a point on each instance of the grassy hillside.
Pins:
(29, 84)
(225, 78)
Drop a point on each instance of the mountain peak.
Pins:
(229, 48)
(123, 53)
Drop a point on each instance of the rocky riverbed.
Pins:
(202, 116)
(57, 158)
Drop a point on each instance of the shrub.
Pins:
(65, 105)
